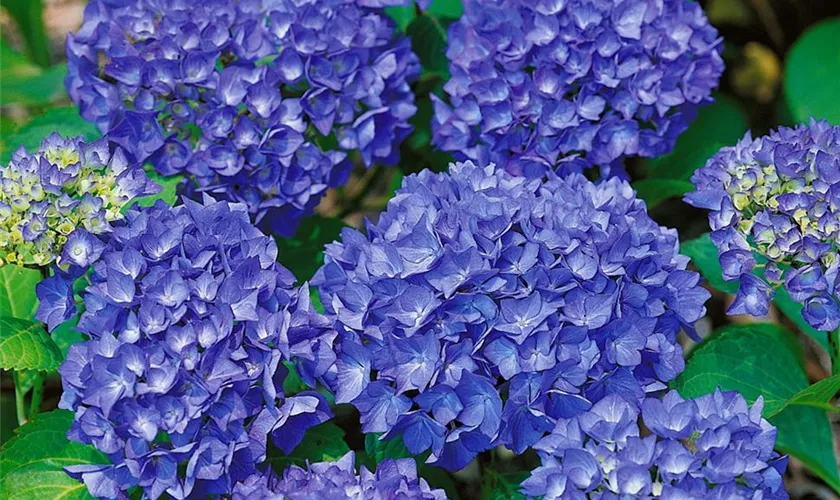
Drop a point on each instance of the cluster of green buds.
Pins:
(66, 185)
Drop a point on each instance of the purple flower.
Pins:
(58, 200)
(483, 306)
(776, 196)
(338, 480)
(188, 318)
(243, 98)
(714, 446)
(568, 85)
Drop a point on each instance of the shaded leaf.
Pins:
(719, 124)
(28, 14)
(169, 193)
(655, 191)
(379, 450)
(304, 253)
(64, 120)
(26, 345)
(428, 41)
(811, 73)
(704, 256)
(322, 443)
(502, 486)
(805, 433)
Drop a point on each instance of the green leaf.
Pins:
(378, 449)
(32, 462)
(502, 486)
(304, 253)
(28, 14)
(38, 90)
(655, 191)
(25, 345)
(17, 292)
(322, 443)
(793, 310)
(403, 16)
(65, 120)
(817, 395)
(704, 256)
(719, 124)
(446, 8)
(765, 359)
(169, 193)
(428, 41)
(811, 73)
(293, 384)
(805, 433)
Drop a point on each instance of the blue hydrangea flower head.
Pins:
(244, 96)
(564, 85)
(189, 317)
(483, 306)
(715, 446)
(777, 196)
(56, 201)
(338, 481)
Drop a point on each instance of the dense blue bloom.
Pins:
(484, 306)
(338, 481)
(244, 96)
(778, 196)
(714, 446)
(541, 84)
(188, 317)
(55, 201)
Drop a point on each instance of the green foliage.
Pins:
(32, 462)
(304, 253)
(719, 124)
(428, 41)
(26, 84)
(65, 120)
(25, 345)
(655, 191)
(29, 18)
(322, 443)
(17, 292)
(811, 73)
(764, 359)
(169, 193)
(502, 486)
(378, 449)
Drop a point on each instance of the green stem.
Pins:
(834, 351)
(20, 399)
(37, 394)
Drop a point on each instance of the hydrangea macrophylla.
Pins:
(714, 446)
(54, 202)
(239, 94)
(478, 286)
(338, 481)
(188, 317)
(567, 85)
(777, 196)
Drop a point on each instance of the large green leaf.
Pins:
(378, 449)
(704, 255)
(719, 124)
(25, 345)
(655, 191)
(428, 41)
(811, 73)
(304, 253)
(32, 462)
(28, 14)
(65, 120)
(322, 443)
(818, 395)
(17, 292)
(763, 359)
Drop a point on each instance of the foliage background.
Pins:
(783, 66)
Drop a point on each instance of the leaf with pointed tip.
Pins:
(25, 345)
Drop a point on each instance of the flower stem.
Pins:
(37, 394)
(834, 351)
(20, 399)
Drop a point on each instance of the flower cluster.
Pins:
(189, 317)
(477, 286)
(66, 192)
(240, 94)
(338, 481)
(714, 446)
(542, 84)
(778, 196)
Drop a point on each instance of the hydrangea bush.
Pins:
(510, 324)
(776, 196)
(714, 446)
(482, 306)
(258, 101)
(338, 481)
(188, 317)
(55, 201)
(566, 85)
